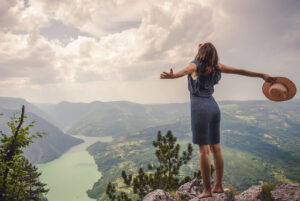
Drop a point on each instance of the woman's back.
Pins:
(203, 86)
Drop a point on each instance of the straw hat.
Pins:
(280, 90)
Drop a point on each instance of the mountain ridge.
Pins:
(42, 150)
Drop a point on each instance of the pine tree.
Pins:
(34, 186)
(18, 178)
(163, 175)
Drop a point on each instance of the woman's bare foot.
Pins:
(204, 195)
(217, 189)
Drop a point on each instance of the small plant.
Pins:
(266, 191)
(173, 194)
(233, 190)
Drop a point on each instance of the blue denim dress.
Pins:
(205, 112)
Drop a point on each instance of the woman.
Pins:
(203, 73)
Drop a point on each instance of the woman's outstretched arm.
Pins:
(187, 70)
(227, 69)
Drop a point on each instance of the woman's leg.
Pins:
(205, 170)
(219, 166)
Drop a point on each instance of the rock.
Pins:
(158, 195)
(286, 192)
(226, 196)
(191, 189)
(252, 194)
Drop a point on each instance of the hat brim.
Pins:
(288, 83)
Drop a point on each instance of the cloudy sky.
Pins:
(86, 50)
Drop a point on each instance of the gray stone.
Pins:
(252, 194)
(226, 196)
(191, 189)
(286, 192)
(158, 195)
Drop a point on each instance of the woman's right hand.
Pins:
(166, 75)
(268, 78)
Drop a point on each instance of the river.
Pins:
(69, 176)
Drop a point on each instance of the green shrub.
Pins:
(266, 191)
(233, 190)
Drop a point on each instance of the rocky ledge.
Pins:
(190, 190)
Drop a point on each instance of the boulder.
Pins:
(251, 194)
(226, 196)
(191, 189)
(158, 195)
(286, 192)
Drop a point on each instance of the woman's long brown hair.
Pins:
(208, 57)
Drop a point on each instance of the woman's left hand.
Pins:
(166, 75)
(268, 78)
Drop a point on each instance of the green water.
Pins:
(69, 176)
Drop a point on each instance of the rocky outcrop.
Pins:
(158, 195)
(226, 196)
(190, 190)
(286, 192)
(251, 194)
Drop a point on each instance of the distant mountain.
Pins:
(51, 146)
(260, 141)
(65, 113)
(13, 103)
(115, 118)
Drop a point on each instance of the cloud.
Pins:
(57, 30)
(15, 15)
(262, 28)
(182, 25)
(95, 17)
(86, 76)
(21, 57)
(119, 26)
(96, 47)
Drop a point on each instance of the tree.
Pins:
(34, 187)
(18, 178)
(163, 175)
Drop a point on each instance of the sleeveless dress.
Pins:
(205, 112)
